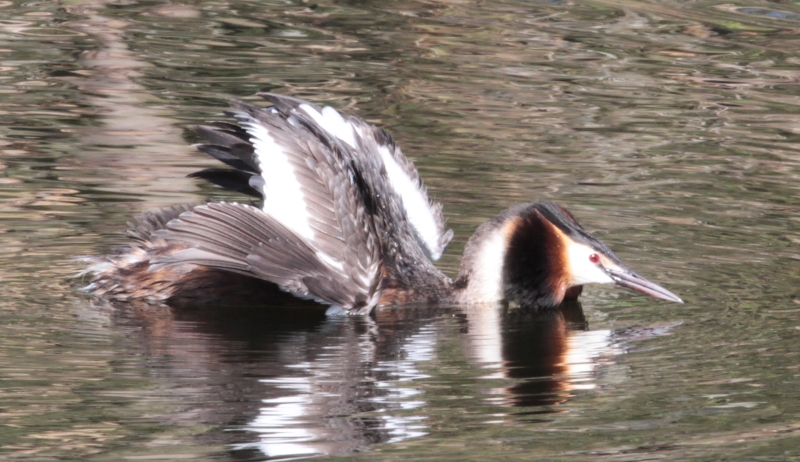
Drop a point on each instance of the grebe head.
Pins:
(538, 255)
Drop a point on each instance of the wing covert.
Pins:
(243, 239)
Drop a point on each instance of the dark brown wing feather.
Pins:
(233, 180)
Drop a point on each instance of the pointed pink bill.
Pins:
(633, 281)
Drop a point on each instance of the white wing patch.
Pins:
(415, 203)
(332, 122)
(283, 197)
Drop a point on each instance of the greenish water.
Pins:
(670, 129)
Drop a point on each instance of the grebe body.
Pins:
(345, 220)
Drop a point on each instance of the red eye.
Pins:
(594, 258)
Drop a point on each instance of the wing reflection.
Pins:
(349, 396)
(291, 383)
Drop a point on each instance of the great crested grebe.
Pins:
(345, 221)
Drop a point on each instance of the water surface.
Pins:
(670, 129)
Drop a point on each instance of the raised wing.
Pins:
(371, 144)
(314, 200)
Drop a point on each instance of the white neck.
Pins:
(483, 262)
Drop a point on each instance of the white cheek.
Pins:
(582, 270)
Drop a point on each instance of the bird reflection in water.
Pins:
(289, 383)
(544, 354)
